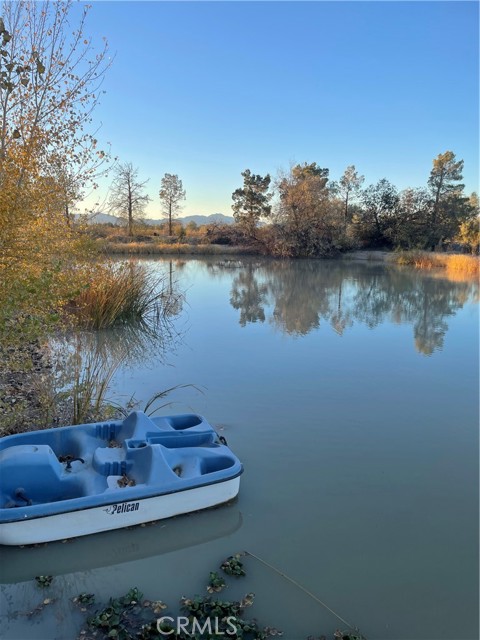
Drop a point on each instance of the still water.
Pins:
(350, 393)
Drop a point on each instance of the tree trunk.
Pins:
(130, 209)
(346, 211)
(130, 219)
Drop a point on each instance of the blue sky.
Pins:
(208, 89)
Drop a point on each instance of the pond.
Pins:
(349, 390)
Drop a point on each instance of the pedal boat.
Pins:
(75, 481)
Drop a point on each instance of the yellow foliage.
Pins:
(41, 256)
(455, 265)
(461, 264)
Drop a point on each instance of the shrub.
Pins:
(118, 293)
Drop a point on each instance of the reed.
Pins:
(454, 264)
(119, 293)
(418, 259)
(461, 264)
(91, 382)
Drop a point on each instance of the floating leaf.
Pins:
(43, 581)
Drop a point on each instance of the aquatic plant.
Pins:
(216, 583)
(43, 581)
(453, 263)
(84, 599)
(233, 566)
(131, 618)
(114, 620)
(119, 293)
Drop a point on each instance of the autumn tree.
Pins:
(309, 217)
(50, 76)
(127, 197)
(50, 79)
(171, 195)
(252, 201)
(469, 231)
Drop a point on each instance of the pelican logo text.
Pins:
(125, 507)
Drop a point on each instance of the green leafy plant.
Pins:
(85, 599)
(233, 566)
(43, 581)
(216, 583)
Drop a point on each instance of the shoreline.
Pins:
(465, 264)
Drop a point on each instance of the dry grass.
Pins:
(159, 248)
(454, 264)
(118, 293)
(466, 265)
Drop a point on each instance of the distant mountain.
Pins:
(106, 218)
(220, 218)
(98, 218)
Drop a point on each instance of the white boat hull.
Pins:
(116, 516)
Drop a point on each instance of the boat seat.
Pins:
(194, 462)
(32, 474)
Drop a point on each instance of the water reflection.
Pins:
(85, 362)
(297, 297)
(249, 296)
(20, 564)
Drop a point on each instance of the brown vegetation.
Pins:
(459, 264)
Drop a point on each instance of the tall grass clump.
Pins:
(418, 259)
(462, 264)
(456, 265)
(120, 293)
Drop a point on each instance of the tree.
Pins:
(127, 197)
(251, 202)
(309, 218)
(171, 194)
(448, 204)
(348, 186)
(50, 74)
(444, 178)
(410, 228)
(469, 232)
(379, 204)
(49, 85)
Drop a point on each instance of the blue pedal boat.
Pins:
(74, 481)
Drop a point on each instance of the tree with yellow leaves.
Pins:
(50, 80)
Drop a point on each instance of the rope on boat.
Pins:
(305, 590)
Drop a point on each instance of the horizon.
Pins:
(214, 88)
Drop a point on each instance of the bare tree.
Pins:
(171, 194)
(127, 196)
(50, 78)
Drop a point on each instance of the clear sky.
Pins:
(207, 89)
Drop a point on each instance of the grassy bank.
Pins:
(454, 264)
(178, 248)
(65, 379)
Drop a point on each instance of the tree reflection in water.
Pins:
(249, 296)
(86, 361)
(297, 296)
